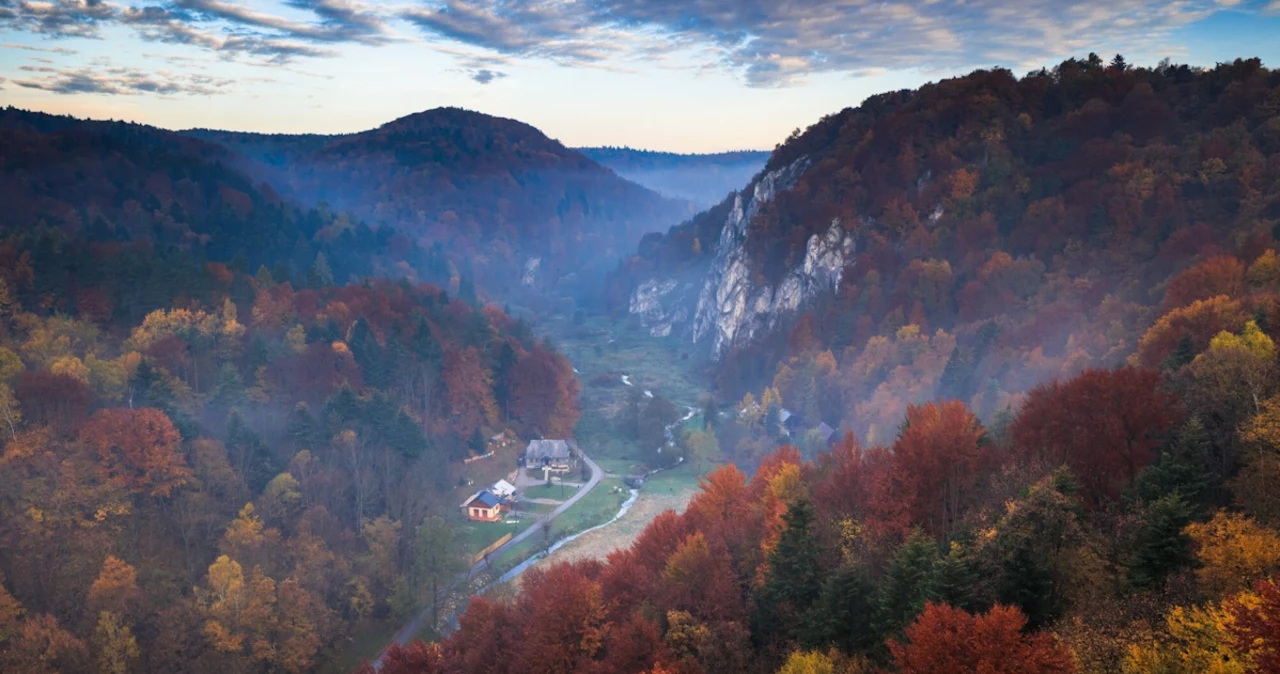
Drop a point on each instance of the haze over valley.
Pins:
(609, 337)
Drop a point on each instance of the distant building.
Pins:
(485, 506)
(553, 455)
(827, 432)
(503, 489)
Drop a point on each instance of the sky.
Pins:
(675, 75)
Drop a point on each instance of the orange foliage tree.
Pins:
(947, 639)
(1219, 275)
(1255, 625)
(140, 450)
(936, 466)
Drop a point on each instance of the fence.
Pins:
(494, 546)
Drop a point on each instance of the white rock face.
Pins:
(530, 275)
(731, 309)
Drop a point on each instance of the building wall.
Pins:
(484, 514)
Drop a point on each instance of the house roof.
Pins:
(826, 430)
(548, 449)
(503, 488)
(485, 498)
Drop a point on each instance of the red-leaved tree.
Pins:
(1105, 425)
(139, 449)
(947, 640)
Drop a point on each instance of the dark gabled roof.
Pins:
(488, 499)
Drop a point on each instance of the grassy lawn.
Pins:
(480, 535)
(681, 478)
(597, 507)
(553, 491)
(536, 508)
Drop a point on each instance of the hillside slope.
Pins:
(971, 238)
(115, 182)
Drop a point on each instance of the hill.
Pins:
(114, 182)
(702, 179)
(971, 238)
(493, 192)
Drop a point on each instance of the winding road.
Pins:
(405, 635)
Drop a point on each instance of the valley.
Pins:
(994, 355)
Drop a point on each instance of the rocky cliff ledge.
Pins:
(732, 309)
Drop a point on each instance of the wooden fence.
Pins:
(494, 546)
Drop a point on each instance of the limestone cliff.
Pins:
(731, 307)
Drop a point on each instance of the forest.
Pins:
(210, 470)
(1053, 368)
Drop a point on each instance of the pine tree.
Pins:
(1027, 583)
(843, 615)
(956, 578)
(1162, 547)
(793, 581)
(229, 391)
(1182, 354)
(904, 589)
(321, 272)
(1182, 468)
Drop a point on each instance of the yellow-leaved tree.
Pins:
(1233, 551)
(1195, 641)
(1257, 486)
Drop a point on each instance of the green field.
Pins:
(595, 508)
(480, 535)
(552, 491)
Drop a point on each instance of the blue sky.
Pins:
(680, 75)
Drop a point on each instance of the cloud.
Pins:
(56, 18)
(118, 81)
(485, 76)
(340, 21)
(287, 40)
(775, 42)
(47, 50)
(539, 28)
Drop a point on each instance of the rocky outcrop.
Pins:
(732, 308)
(661, 304)
(530, 275)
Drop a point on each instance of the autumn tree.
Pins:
(937, 466)
(1104, 424)
(1255, 625)
(140, 450)
(1233, 550)
(946, 639)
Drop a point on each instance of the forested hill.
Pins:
(1003, 231)
(114, 182)
(703, 179)
(495, 191)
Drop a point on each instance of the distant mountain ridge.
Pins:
(519, 206)
(703, 179)
(117, 182)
